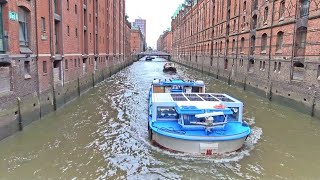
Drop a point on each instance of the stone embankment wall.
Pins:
(17, 112)
(303, 98)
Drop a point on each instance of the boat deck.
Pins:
(232, 130)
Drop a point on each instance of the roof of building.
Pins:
(182, 6)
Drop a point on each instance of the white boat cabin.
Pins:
(177, 86)
(195, 111)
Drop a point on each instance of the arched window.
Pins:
(226, 64)
(279, 40)
(251, 66)
(260, 67)
(242, 44)
(233, 45)
(298, 71)
(264, 42)
(254, 22)
(279, 66)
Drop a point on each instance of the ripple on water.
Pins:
(127, 150)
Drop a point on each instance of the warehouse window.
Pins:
(266, 12)
(43, 24)
(23, 16)
(44, 67)
(66, 64)
(279, 40)
(242, 44)
(264, 42)
(5, 79)
(1, 31)
(281, 10)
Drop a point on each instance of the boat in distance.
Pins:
(149, 58)
(169, 67)
(195, 122)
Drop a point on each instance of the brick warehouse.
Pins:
(164, 42)
(51, 53)
(270, 47)
(137, 40)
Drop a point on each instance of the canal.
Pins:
(103, 135)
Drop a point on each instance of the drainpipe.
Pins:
(51, 56)
(37, 58)
(239, 17)
(212, 36)
(63, 73)
(270, 40)
(294, 40)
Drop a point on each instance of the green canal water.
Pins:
(103, 135)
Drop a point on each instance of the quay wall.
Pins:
(16, 112)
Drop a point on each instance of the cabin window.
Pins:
(195, 89)
(235, 115)
(192, 120)
(167, 113)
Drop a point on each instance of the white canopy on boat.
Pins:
(219, 113)
(198, 104)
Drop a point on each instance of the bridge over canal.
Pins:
(153, 53)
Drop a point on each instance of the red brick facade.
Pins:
(164, 43)
(52, 52)
(136, 41)
(269, 45)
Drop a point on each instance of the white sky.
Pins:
(157, 13)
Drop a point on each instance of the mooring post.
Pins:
(103, 74)
(93, 83)
(19, 114)
(79, 90)
(229, 78)
(270, 91)
(313, 103)
(245, 83)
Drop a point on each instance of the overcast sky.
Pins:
(157, 13)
